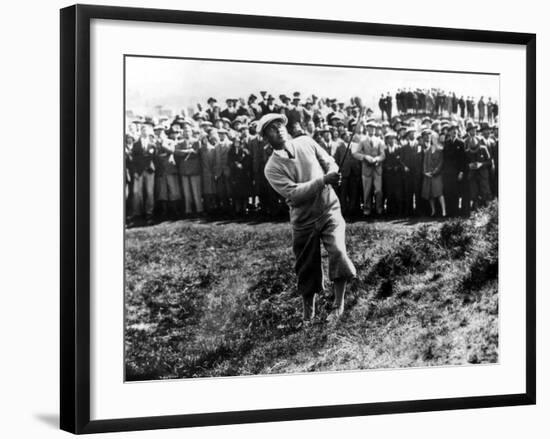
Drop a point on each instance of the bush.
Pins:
(454, 236)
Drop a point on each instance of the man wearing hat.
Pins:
(295, 111)
(382, 106)
(143, 175)
(481, 109)
(187, 154)
(454, 167)
(302, 172)
(256, 144)
(254, 110)
(350, 168)
(392, 176)
(389, 105)
(167, 185)
(412, 159)
(268, 105)
(324, 139)
(213, 110)
(370, 153)
(478, 160)
(230, 111)
(491, 144)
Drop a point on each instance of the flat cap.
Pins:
(267, 119)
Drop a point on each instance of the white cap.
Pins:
(268, 118)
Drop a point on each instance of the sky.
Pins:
(182, 83)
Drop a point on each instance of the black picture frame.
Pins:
(75, 217)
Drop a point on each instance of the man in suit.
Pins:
(350, 168)
(296, 111)
(392, 178)
(481, 109)
(389, 106)
(479, 165)
(213, 111)
(454, 166)
(382, 106)
(230, 111)
(370, 153)
(256, 146)
(143, 175)
(187, 155)
(412, 159)
(491, 144)
(267, 104)
(168, 193)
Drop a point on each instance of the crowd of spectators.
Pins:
(432, 153)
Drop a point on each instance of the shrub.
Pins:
(453, 235)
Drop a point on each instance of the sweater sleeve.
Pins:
(297, 193)
(326, 161)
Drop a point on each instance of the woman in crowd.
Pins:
(240, 165)
(432, 186)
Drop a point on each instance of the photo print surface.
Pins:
(291, 218)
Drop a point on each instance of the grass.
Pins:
(219, 299)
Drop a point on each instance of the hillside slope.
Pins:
(219, 299)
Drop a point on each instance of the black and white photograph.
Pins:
(289, 218)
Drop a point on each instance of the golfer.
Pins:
(302, 172)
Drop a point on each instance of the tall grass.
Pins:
(220, 299)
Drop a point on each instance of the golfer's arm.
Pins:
(297, 193)
(326, 161)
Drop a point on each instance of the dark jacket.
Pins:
(143, 158)
(454, 157)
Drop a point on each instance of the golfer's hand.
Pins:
(333, 178)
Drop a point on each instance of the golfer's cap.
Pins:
(269, 118)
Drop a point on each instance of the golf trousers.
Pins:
(331, 231)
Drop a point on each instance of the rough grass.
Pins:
(216, 299)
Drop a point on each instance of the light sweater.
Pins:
(300, 181)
